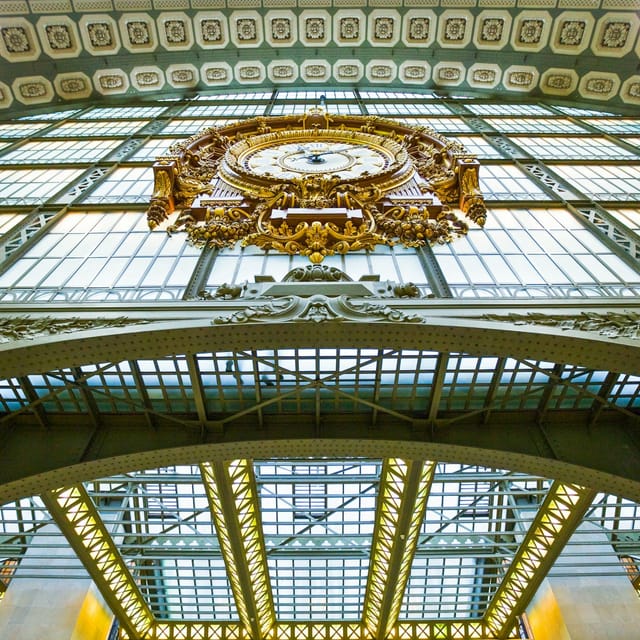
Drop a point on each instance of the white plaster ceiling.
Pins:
(74, 50)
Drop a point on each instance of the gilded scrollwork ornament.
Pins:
(317, 185)
(414, 227)
(316, 273)
(162, 200)
(612, 325)
(223, 226)
(315, 240)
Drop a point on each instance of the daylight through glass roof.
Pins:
(334, 380)
(281, 458)
(317, 518)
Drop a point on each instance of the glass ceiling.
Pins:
(334, 381)
(317, 518)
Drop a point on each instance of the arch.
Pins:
(605, 457)
(449, 334)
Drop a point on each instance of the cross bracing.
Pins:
(396, 382)
(208, 396)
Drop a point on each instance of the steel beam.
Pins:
(602, 401)
(80, 380)
(198, 391)
(492, 392)
(402, 501)
(414, 630)
(555, 522)
(79, 520)
(233, 499)
(436, 390)
(554, 379)
(376, 389)
(31, 395)
(257, 386)
(607, 456)
(142, 391)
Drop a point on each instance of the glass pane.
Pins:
(543, 252)
(68, 259)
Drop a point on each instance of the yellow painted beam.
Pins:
(233, 500)
(415, 630)
(80, 522)
(402, 501)
(558, 516)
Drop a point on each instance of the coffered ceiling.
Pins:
(61, 51)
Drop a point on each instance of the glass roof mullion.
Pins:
(360, 364)
(138, 507)
(139, 404)
(265, 403)
(445, 522)
(528, 390)
(134, 403)
(500, 511)
(300, 534)
(279, 370)
(304, 380)
(581, 389)
(401, 416)
(66, 386)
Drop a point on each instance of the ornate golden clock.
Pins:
(316, 185)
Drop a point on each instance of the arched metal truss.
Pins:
(97, 399)
(182, 392)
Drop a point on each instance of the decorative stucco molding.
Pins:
(611, 325)
(318, 308)
(29, 328)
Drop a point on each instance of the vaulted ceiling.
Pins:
(62, 51)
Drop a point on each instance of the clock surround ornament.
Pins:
(316, 185)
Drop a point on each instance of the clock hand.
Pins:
(312, 156)
(324, 153)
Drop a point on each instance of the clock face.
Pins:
(347, 160)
